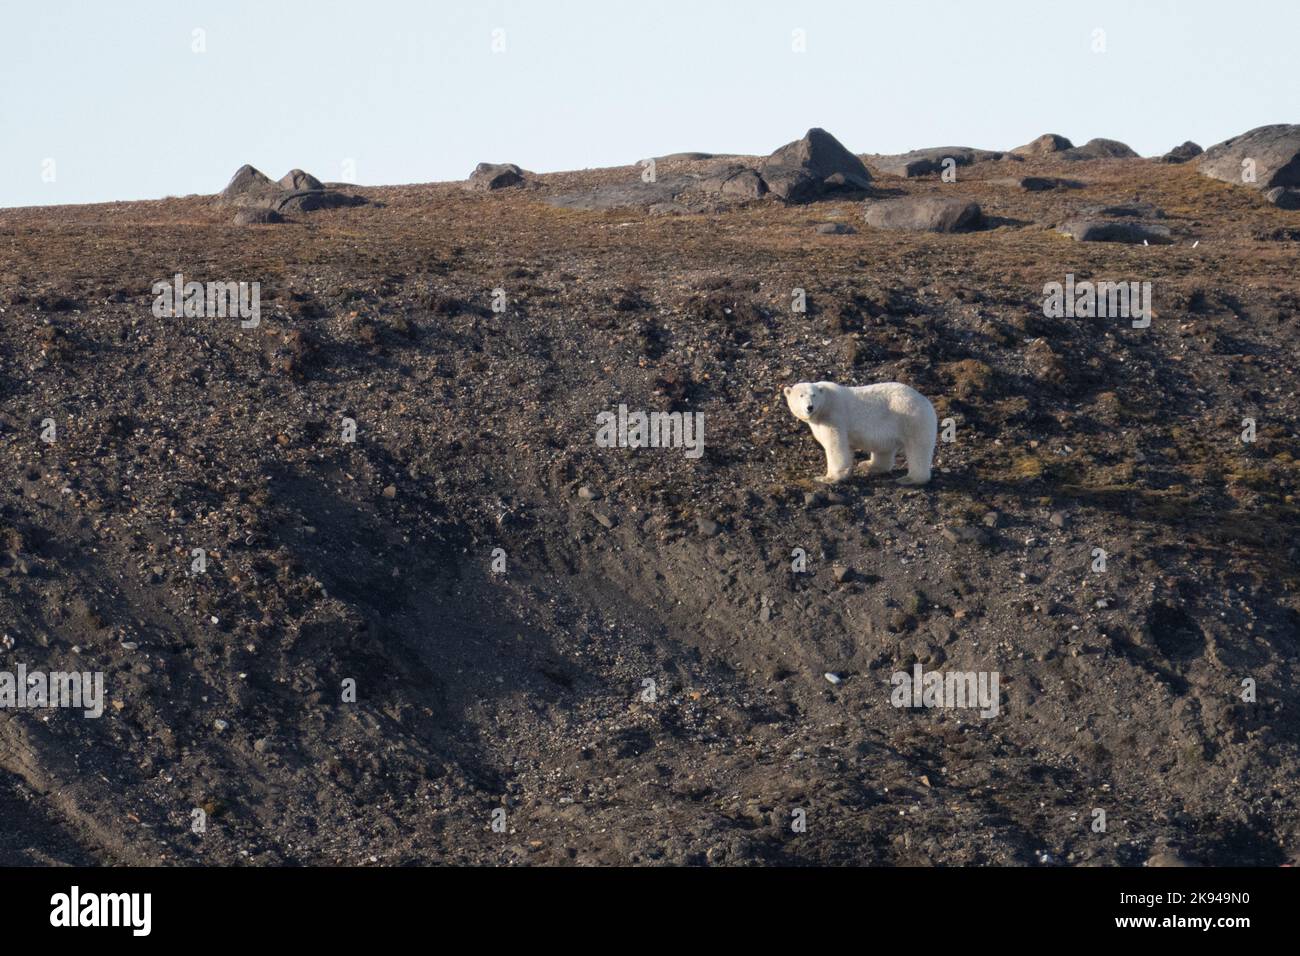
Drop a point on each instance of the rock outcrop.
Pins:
(296, 192)
(925, 162)
(1264, 158)
(1045, 145)
(1053, 145)
(488, 177)
(1100, 149)
(811, 167)
(1181, 154)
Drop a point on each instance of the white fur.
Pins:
(880, 419)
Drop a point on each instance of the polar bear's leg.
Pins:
(882, 462)
(839, 454)
(919, 452)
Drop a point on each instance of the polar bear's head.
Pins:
(805, 400)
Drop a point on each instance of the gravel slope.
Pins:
(525, 691)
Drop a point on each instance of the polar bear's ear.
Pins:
(786, 390)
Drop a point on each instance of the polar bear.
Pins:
(881, 419)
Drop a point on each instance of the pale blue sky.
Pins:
(413, 92)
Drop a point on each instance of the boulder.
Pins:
(1181, 154)
(295, 180)
(492, 176)
(1045, 145)
(1100, 149)
(835, 229)
(925, 214)
(1132, 231)
(925, 162)
(811, 167)
(1274, 149)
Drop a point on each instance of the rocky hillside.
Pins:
(433, 620)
